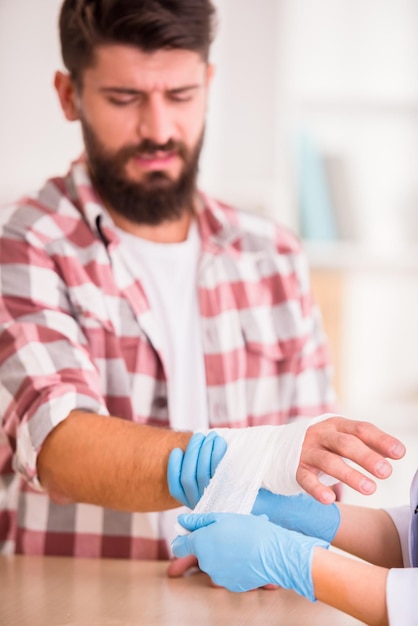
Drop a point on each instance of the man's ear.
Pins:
(210, 71)
(67, 95)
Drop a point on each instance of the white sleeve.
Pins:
(401, 517)
(401, 594)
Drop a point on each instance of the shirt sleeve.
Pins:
(45, 367)
(401, 591)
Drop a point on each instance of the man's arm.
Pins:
(109, 462)
(114, 463)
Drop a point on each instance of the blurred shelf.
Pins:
(354, 256)
(354, 106)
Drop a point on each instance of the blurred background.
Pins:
(313, 119)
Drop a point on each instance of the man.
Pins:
(132, 304)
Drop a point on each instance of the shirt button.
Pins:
(160, 402)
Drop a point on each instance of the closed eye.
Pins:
(121, 96)
(120, 102)
(184, 94)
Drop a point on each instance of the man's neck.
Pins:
(173, 231)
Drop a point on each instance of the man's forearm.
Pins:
(352, 586)
(109, 462)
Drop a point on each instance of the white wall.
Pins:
(244, 160)
(35, 141)
(350, 79)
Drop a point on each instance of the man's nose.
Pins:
(156, 122)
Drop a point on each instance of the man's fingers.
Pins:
(358, 442)
(374, 438)
(335, 466)
(367, 458)
(379, 441)
(355, 450)
(312, 485)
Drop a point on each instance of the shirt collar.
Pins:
(89, 202)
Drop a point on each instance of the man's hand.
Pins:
(324, 448)
(327, 443)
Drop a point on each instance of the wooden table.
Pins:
(55, 591)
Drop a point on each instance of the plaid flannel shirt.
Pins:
(76, 332)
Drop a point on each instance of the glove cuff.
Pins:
(294, 552)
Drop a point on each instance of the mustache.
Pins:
(147, 146)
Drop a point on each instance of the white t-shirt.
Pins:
(168, 273)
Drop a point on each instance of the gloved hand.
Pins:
(189, 472)
(242, 552)
(301, 513)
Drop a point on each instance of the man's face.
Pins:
(143, 117)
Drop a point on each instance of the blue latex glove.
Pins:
(242, 552)
(301, 513)
(189, 472)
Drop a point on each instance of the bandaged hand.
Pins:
(189, 472)
(308, 455)
(243, 552)
(271, 459)
(300, 513)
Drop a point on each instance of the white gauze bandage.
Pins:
(260, 456)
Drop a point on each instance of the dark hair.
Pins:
(147, 24)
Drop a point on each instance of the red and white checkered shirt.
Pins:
(76, 332)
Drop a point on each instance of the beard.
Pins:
(157, 198)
